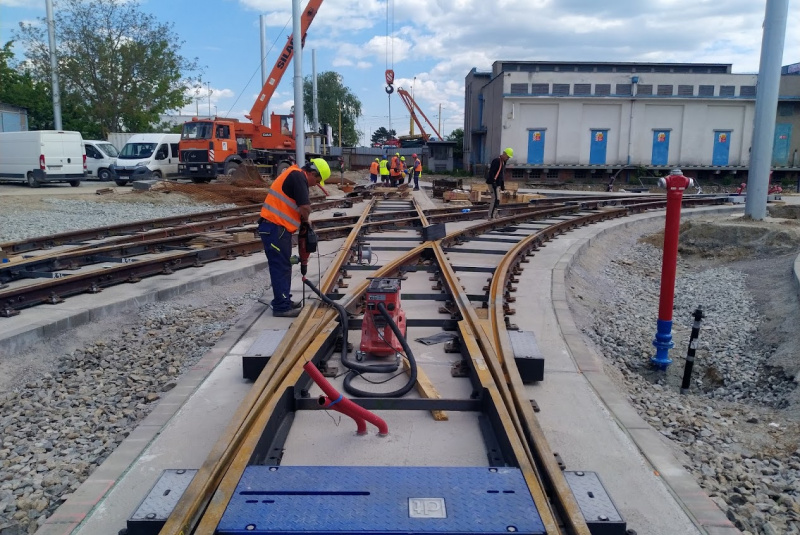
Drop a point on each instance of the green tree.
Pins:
(19, 89)
(119, 68)
(380, 135)
(333, 96)
(457, 135)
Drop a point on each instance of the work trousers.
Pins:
(415, 177)
(494, 203)
(373, 178)
(393, 180)
(278, 248)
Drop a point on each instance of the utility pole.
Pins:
(411, 119)
(340, 124)
(440, 120)
(315, 111)
(51, 34)
(208, 84)
(299, 111)
(769, 79)
(263, 24)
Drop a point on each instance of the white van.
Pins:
(40, 156)
(100, 156)
(147, 156)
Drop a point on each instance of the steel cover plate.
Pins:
(592, 498)
(162, 498)
(378, 500)
(266, 344)
(524, 345)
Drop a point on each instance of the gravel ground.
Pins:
(738, 429)
(27, 217)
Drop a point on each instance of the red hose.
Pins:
(345, 406)
(326, 402)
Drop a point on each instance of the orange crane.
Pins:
(218, 145)
(413, 108)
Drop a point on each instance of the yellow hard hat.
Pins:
(322, 167)
(377, 159)
(397, 154)
(402, 158)
(509, 152)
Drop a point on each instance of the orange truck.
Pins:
(215, 146)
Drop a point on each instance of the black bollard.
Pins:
(687, 371)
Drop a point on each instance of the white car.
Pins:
(100, 155)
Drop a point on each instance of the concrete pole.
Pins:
(769, 78)
(299, 112)
(675, 183)
(51, 34)
(315, 113)
(263, 30)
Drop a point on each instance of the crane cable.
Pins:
(389, 71)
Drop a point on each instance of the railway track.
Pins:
(469, 419)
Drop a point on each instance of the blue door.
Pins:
(780, 148)
(536, 146)
(660, 147)
(597, 150)
(722, 147)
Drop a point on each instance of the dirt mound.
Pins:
(738, 238)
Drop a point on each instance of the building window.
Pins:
(681, 69)
(665, 90)
(644, 89)
(785, 109)
(685, 90)
(585, 68)
(547, 68)
(705, 91)
(579, 174)
(534, 174)
(552, 173)
(602, 89)
(540, 89)
(519, 89)
(661, 69)
(605, 68)
(518, 173)
(582, 89)
(747, 91)
(727, 90)
(623, 89)
(561, 89)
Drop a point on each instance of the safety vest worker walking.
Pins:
(373, 170)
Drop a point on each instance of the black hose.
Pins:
(357, 368)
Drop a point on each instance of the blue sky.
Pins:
(439, 41)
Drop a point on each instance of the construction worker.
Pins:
(394, 170)
(373, 170)
(416, 171)
(384, 170)
(495, 178)
(403, 170)
(287, 208)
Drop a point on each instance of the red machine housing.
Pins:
(377, 337)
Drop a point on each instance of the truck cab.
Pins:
(209, 148)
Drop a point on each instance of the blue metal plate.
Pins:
(379, 500)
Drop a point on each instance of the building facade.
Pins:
(584, 120)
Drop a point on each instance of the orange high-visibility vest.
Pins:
(417, 166)
(373, 168)
(395, 170)
(279, 208)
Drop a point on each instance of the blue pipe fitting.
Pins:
(663, 343)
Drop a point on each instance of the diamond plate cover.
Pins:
(378, 500)
(592, 498)
(266, 344)
(162, 498)
(524, 345)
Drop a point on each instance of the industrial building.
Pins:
(587, 121)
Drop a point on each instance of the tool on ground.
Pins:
(377, 336)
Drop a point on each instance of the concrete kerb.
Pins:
(706, 515)
(52, 320)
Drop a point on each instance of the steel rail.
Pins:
(204, 502)
(226, 456)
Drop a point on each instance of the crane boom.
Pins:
(274, 78)
(408, 100)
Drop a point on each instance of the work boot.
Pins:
(291, 313)
(297, 304)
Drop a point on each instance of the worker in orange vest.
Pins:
(287, 208)
(373, 170)
(394, 170)
(416, 171)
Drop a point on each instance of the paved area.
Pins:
(648, 483)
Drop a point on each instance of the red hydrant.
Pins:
(675, 183)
